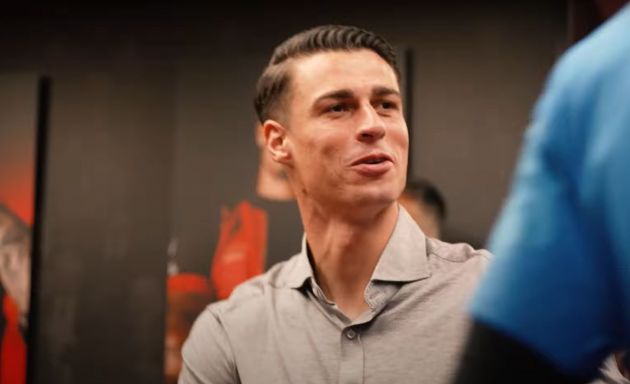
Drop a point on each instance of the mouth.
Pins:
(373, 165)
(372, 159)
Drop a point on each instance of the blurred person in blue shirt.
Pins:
(556, 299)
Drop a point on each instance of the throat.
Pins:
(353, 308)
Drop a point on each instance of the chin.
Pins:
(376, 198)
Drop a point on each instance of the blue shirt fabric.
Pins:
(560, 282)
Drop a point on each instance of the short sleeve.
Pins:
(560, 280)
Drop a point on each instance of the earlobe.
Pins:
(276, 141)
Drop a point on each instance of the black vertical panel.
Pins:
(43, 113)
(100, 289)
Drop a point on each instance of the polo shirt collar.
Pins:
(404, 258)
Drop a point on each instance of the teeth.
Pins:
(373, 161)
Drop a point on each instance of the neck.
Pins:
(346, 250)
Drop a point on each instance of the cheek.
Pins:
(402, 137)
(330, 153)
(312, 160)
(400, 140)
(323, 149)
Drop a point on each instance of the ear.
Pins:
(276, 141)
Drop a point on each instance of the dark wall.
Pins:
(105, 228)
(152, 127)
(476, 80)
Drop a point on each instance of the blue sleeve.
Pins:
(560, 280)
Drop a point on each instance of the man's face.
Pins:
(347, 140)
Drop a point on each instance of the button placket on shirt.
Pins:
(351, 367)
(352, 357)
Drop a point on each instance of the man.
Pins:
(556, 300)
(369, 299)
(425, 204)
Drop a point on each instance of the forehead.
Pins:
(357, 70)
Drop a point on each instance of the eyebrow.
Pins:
(341, 94)
(337, 95)
(384, 91)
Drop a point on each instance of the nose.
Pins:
(371, 125)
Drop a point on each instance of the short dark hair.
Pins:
(424, 191)
(274, 80)
(17, 231)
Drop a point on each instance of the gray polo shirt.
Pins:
(280, 328)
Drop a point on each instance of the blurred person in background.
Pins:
(255, 233)
(187, 295)
(260, 230)
(425, 204)
(15, 276)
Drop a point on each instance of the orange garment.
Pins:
(187, 295)
(13, 348)
(241, 249)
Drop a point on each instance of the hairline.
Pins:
(288, 64)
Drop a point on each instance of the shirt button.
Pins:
(351, 334)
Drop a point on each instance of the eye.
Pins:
(337, 108)
(388, 105)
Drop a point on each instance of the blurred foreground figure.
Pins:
(556, 300)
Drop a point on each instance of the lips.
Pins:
(375, 158)
(373, 165)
